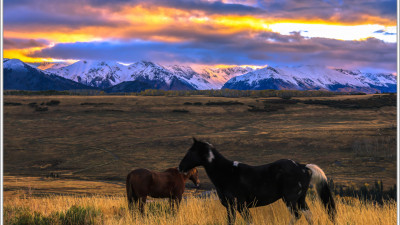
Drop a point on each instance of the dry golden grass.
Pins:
(113, 210)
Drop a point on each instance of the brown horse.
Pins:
(141, 183)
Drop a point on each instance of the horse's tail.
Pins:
(320, 181)
(129, 191)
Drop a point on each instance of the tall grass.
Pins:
(113, 210)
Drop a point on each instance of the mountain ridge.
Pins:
(112, 76)
(21, 76)
(313, 78)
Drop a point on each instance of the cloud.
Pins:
(70, 17)
(267, 48)
(92, 11)
(384, 32)
(12, 43)
(200, 31)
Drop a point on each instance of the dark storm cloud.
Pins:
(14, 43)
(266, 48)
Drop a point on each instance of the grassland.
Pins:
(90, 143)
(113, 210)
(103, 138)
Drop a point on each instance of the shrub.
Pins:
(180, 110)
(366, 192)
(41, 109)
(97, 104)
(24, 216)
(32, 104)
(12, 103)
(225, 103)
(53, 102)
(78, 215)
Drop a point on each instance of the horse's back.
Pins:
(139, 174)
(267, 182)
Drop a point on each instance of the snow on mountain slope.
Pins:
(217, 77)
(14, 64)
(94, 73)
(106, 74)
(312, 78)
(143, 75)
(191, 76)
(21, 76)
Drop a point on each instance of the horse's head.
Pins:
(198, 155)
(193, 175)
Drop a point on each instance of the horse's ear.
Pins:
(194, 140)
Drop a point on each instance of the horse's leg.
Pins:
(230, 209)
(178, 200)
(129, 193)
(305, 209)
(171, 202)
(132, 199)
(245, 212)
(142, 201)
(292, 206)
(174, 201)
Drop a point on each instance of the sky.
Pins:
(348, 34)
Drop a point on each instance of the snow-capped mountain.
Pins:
(21, 76)
(148, 75)
(117, 77)
(313, 78)
(107, 74)
(219, 76)
(100, 74)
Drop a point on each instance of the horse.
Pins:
(170, 183)
(240, 186)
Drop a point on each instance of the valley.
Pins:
(102, 138)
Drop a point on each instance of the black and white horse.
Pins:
(240, 186)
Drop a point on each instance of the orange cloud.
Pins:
(166, 24)
(22, 54)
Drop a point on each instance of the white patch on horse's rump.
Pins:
(236, 163)
(210, 156)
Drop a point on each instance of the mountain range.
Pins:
(21, 76)
(313, 78)
(116, 77)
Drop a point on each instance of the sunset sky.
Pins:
(353, 34)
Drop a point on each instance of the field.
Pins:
(113, 210)
(86, 145)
